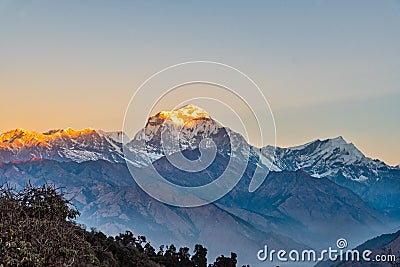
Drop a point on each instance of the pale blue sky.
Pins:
(328, 68)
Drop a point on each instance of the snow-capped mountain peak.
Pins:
(171, 131)
(184, 123)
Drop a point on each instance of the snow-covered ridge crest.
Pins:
(24, 138)
(61, 145)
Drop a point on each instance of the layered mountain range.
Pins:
(314, 194)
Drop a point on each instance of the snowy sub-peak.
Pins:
(328, 158)
(61, 145)
(117, 136)
(335, 149)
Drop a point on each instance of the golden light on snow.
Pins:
(22, 138)
(183, 115)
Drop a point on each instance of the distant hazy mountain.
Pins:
(381, 245)
(343, 163)
(109, 199)
(290, 210)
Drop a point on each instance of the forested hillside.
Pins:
(37, 228)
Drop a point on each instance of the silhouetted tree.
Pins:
(149, 250)
(184, 258)
(223, 261)
(199, 259)
(36, 230)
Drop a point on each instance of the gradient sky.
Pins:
(328, 68)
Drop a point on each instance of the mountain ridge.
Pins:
(8, 138)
